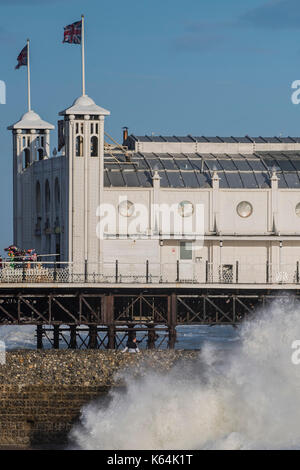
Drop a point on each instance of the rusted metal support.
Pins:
(56, 336)
(39, 336)
(92, 315)
(111, 334)
(64, 309)
(172, 337)
(73, 337)
(108, 319)
(151, 337)
(128, 307)
(172, 319)
(172, 309)
(234, 307)
(218, 310)
(32, 308)
(108, 309)
(147, 270)
(92, 337)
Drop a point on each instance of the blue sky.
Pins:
(203, 67)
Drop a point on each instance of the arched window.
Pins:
(26, 158)
(94, 146)
(79, 146)
(57, 195)
(38, 197)
(47, 196)
(41, 153)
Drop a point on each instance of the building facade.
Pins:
(177, 209)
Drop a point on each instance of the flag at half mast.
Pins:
(22, 57)
(72, 33)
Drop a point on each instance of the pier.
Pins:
(83, 309)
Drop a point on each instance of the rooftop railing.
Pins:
(181, 272)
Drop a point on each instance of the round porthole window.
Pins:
(185, 208)
(297, 209)
(126, 208)
(244, 209)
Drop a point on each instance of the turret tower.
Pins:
(31, 143)
(82, 133)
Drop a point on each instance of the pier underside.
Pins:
(104, 318)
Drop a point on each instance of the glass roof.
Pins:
(195, 170)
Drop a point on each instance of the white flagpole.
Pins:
(28, 76)
(82, 55)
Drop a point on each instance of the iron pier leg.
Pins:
(172, 337)
(56, 336)
(151, 337)
(73, 337)
(111, 333)
(108, 319)
(39, 336)
(92, 337)
(172, 319)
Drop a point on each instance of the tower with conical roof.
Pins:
(31, 143)
(83, 135)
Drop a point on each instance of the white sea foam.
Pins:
(247, 397)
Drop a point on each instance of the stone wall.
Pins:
(42, 392)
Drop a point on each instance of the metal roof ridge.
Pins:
(194, 138)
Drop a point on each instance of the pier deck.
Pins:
(59, 297)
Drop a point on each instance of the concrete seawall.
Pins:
(42, 392)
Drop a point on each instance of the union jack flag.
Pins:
(22, 58)
(72, 33)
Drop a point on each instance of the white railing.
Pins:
(181, 272)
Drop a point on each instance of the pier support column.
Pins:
(56, 336)
(172, 337)
(39, 336)
(151, 337)
(93, 337)
(172, 319)
(73, 337)
(111, 333)
(108, 320)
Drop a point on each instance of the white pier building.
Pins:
(248, 189)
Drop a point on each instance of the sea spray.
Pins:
(247, 397)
